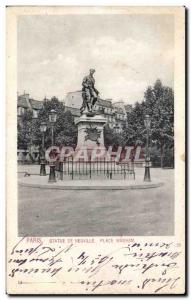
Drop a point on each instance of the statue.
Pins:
(89, 92)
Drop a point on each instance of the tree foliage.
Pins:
(158, 103)
(113, 138)
(161, 109)
(65, 131)
(25, 129)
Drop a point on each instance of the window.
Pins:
(35, 113)
(21, 111)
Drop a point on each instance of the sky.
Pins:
(128, 52)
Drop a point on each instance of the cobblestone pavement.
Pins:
(98, 213)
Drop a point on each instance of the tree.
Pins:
(112, 138)
(43, 116)
(159, 103)
(65, 130)
(25, 126)
(134, 131)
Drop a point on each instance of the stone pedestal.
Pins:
(90, 131)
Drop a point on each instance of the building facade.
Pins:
(116, 113)
(24, 103)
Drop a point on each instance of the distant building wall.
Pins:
(115, 113)
(74, 99)
(24, 103)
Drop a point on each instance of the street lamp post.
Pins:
(52, 119)
(147, 123)
(42, 159)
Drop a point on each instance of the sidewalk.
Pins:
(31, 169)
(88, 184)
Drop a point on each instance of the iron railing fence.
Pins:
(99, 169)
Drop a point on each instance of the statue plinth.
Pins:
(90, 131)
(90, 114)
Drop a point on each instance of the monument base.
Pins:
(90, 131)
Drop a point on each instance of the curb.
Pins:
(89, 187)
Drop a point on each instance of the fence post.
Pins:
(134, 169)
(61, 169)
(72, 169)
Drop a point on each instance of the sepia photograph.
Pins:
(95, 100)
(96, 92)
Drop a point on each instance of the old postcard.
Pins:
(95, 150)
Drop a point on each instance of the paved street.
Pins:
(98, 213)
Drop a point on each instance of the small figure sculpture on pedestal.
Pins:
(89, 93)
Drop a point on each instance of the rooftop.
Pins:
(119, 110)
(73, 110)
(36, 104)
(22, 102)
(74, 92)
(106, 103)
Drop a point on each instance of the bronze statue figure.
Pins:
(89, 92)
